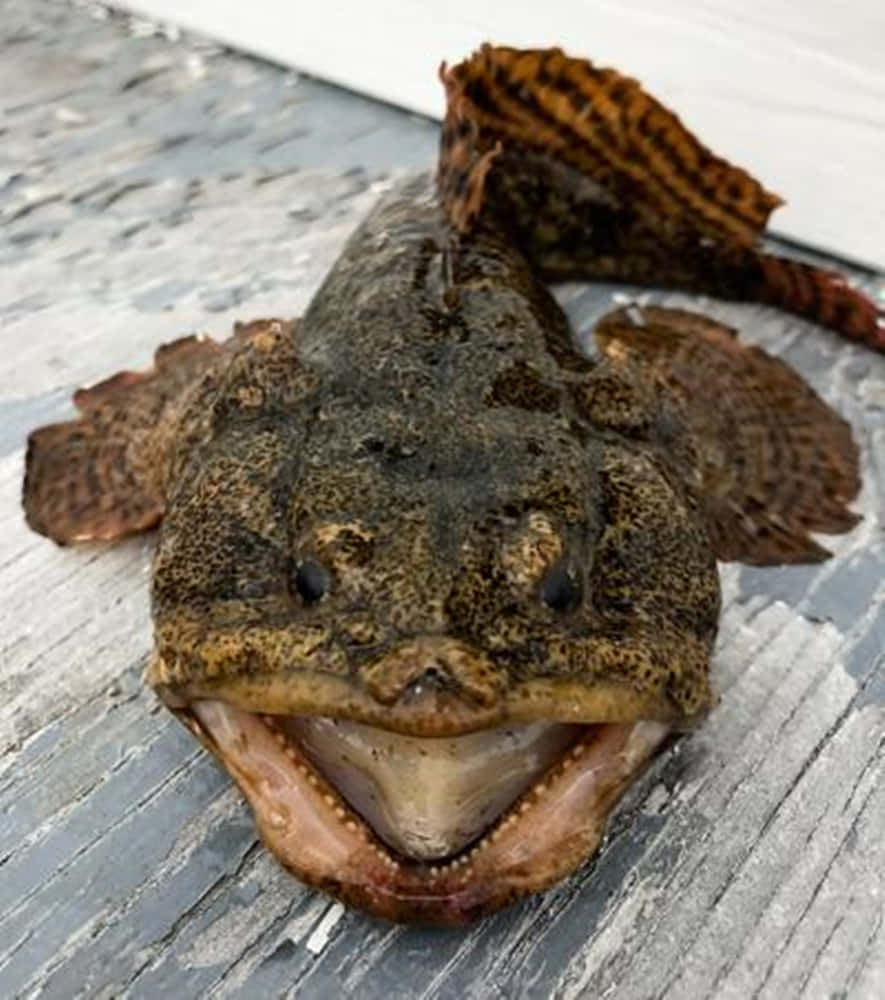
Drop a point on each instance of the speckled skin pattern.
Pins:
(421, 508)
(433, 441)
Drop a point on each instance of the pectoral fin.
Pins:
(775, 461)
(101, 476)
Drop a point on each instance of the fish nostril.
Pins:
(435, 678)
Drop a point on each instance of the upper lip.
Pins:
(425, 685)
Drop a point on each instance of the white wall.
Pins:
(793, 90)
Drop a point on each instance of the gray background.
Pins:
(151, 186)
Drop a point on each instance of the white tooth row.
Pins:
(329, 799)
(503, 824)
(435, 871)
(535, 793)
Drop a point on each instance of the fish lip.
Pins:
(453, 707)
(469, 884)
(435, 715)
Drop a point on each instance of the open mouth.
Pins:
(436, 830)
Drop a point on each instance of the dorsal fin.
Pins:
(595, 179)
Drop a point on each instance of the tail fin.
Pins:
(596, 179)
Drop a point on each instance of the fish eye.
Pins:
(311, 580)
(561, 588)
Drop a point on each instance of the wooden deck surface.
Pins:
(151, 187)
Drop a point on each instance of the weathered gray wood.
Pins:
(148, 188)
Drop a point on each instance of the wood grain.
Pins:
(149, 188)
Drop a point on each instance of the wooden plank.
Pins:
(148, 188)
(793, 92)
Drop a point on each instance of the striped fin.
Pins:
(596, 180)
(101, 476)
(604, 125)
(775, 461)
(822, 296)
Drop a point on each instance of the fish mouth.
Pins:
(437, 830)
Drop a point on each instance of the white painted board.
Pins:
(794, 92)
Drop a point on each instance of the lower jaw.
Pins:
(543, 836)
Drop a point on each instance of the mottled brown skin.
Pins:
(420, 507)
(421, 425)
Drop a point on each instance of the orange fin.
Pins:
(822, 296)
(775, 461)
(83, 482)
(604, 125)
(594, 179)
(101, 476)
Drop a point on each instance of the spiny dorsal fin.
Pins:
(606, 126)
